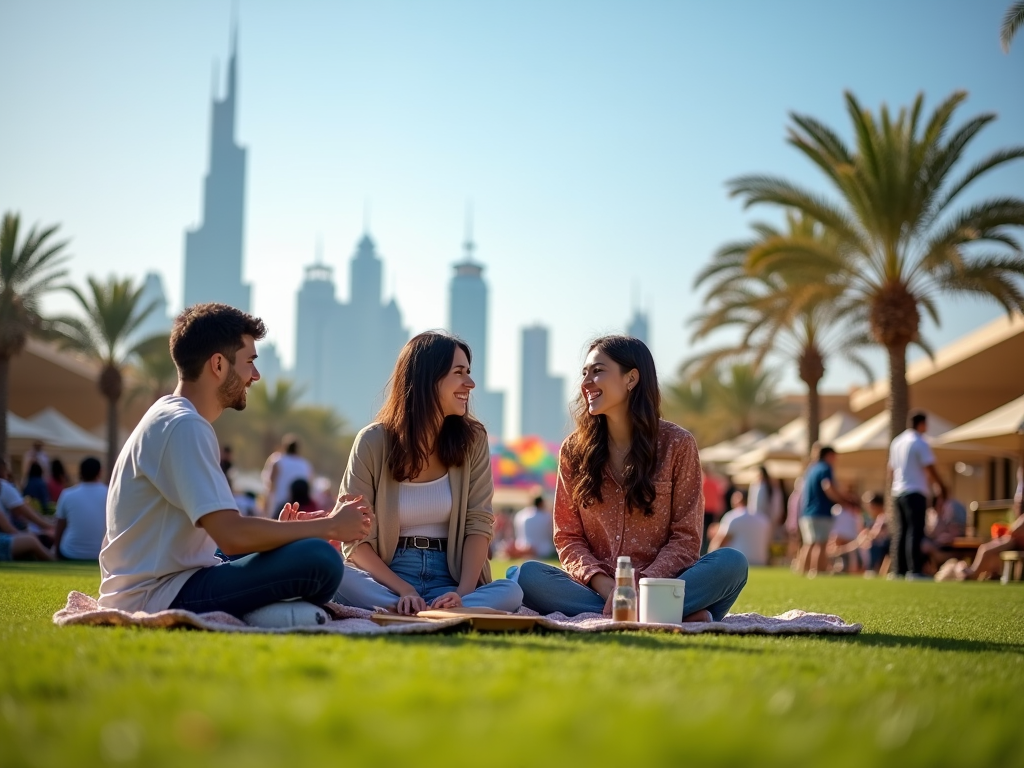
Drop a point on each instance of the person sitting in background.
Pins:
(82, 515)
(35, 487)
(987, 563)
(847, 525)
(943, 525)
(300, 496)
(746, 529)
(535, 531)
(58, 481)
(20, 514)
(282, 469)
(873, 542)
(36, 455)
(16, 544)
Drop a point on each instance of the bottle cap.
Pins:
(624, 562)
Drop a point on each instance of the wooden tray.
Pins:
(482, 620)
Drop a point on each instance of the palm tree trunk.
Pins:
(813, 413)
(5, 371)
(113, 448)
(899, 395)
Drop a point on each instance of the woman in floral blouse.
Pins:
(629, 483)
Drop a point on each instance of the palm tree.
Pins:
(112, 315)
(26, 274)
(272, 409)
(154, 372)
(1011, 23)
(803, 320)
(900, 238)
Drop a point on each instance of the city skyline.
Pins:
(596, 163)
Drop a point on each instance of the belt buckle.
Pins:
(417, 539)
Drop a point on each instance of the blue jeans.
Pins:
(712, 583)
(427, 572)
(309, 569)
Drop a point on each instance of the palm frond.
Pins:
(1011, 23)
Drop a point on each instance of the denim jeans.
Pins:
(712, 583)
(427, 572)
(309, 569)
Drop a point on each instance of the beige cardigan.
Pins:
(472, 487)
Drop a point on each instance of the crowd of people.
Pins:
(48, 518)
(412, 526)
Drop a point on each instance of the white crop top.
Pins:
(425, 509)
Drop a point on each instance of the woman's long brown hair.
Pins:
(412, 413)
(587, 447)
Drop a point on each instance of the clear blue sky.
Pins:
(593, 138)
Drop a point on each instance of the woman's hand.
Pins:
(410, 604)
(447, 600)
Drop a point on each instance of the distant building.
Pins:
(268, 363)
(157, 321)
(639, 327)
(467, 308)
(543, 411)
(344, 353)
(213, 251)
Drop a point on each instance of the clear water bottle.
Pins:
(624, 597)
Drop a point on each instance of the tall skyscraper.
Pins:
(213, 251)
(639, 327)
(467, 318)
(344, 353)
(157, 321)
(543, 410)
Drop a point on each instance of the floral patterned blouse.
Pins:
(662, 545)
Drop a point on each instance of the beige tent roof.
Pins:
(868, 444)
(23, 429)
(790, 442)
(969, 377)
(728, 450)
(1002, 428)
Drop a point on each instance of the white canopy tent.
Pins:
(998, 430)
(64, 433)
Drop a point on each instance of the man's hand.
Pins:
(351, 519)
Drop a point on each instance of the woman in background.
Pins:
(424, 467)
(629, 483)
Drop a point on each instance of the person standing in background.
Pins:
(282, 469)
(911, 473)
(713, 488)
(37, 455)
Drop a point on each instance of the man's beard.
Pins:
(232, 392)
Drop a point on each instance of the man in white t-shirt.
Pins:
(82, 515)
(169, 507)
(535, 531)
(912, 473)
(744, 529)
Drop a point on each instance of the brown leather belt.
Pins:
(423, 542)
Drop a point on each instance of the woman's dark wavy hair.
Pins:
(412, 413)
(587, 447)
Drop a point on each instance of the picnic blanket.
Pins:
(84, 610)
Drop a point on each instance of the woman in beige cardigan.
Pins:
(425, 470)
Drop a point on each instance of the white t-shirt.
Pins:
(289, 468)
(535, 530)
(167, 477)
(909, 454)
(84, 506)
(9, 497)
(750, 532)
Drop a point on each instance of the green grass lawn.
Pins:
(936, 678)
